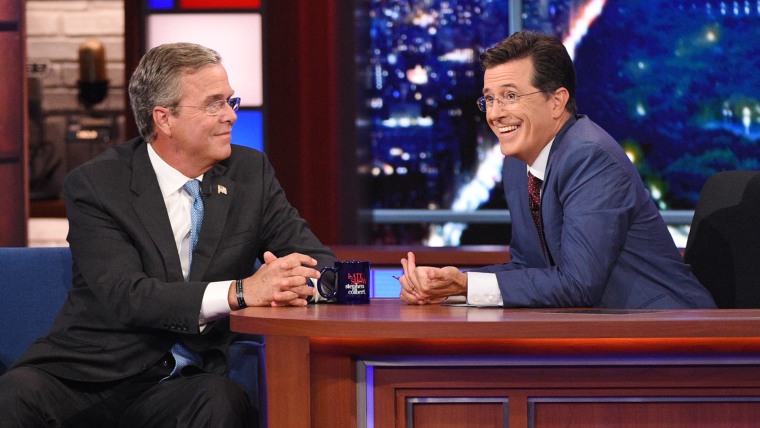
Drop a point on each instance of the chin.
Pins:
(507, 149)
(223, 152)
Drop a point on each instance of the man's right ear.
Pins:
(162, 120)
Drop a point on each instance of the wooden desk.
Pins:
(464, 256)
(432, 366)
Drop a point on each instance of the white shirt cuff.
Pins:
(483, 289)
(215, 304)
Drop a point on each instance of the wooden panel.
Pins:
(597, 380)
(333, 376)
(581, 396)
(10, 11)
(13, 174)
(288, 380)
(671, 414)
(13, 208)
(464, 256)
(303, 144)
(11, 92)
(518, 409)
(436, 408)
(439, 414)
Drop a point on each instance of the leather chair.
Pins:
(34, 283)
(723, 247)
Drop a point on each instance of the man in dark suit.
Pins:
(585, 232)
(145, 294)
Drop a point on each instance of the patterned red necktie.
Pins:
(534, 201)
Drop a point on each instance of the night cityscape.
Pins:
(426, 134)
(677, 88)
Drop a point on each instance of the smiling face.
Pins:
(526, 126)
(188, 138)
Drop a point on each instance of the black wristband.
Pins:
(239, 293)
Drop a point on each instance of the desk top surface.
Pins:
(392, 319)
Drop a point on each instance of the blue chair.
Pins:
(34, 283)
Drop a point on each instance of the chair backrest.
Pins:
(723, 247)
(34, 283)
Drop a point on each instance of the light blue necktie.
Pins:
(193, 188)
(184, 357)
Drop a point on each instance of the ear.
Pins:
(560, 98)
(162, 120)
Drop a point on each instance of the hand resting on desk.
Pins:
(421, 285)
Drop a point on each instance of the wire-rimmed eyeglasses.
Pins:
(510, 98)
(215, 108)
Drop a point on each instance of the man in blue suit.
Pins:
(585, 232)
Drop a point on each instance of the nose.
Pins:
(228, 114)
(498, 109)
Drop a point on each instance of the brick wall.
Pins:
(55, 30)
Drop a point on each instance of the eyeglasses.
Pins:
(215, 108)
(486, 102)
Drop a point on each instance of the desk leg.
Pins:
(333, 389)
(288, 391)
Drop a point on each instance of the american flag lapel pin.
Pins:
(221, 189)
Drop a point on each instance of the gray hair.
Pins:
(156, 80)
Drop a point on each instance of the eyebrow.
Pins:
(217, 97)
(502, 87)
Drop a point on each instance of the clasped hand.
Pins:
(281, 281)
(422, 285)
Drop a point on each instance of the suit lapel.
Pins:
(151, 210)
(555, 156)
(218, 192)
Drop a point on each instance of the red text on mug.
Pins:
(357, 278)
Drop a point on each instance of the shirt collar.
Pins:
(169, 179)
(538, 167)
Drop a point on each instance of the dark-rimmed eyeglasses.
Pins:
(509, 99)
(215, 108)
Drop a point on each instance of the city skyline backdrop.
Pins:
(676, 89)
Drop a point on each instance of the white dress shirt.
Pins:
(482, 287)
(178, 201)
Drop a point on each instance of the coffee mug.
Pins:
(351, 282)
